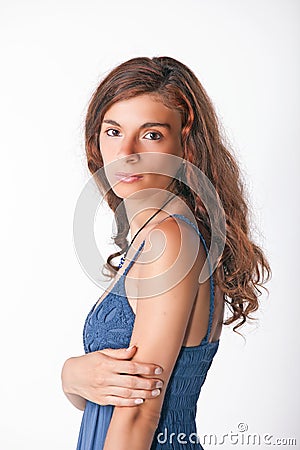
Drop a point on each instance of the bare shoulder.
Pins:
(173, 233)
(173, 246)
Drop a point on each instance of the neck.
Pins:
(139, 210)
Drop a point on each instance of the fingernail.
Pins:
(155, 392)
(130, 348)
(138, 401)
(158, 370)
(159, 384)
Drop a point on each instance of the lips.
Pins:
(128, 177)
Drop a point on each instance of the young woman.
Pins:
(152, 130)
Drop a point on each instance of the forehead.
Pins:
(143, 108)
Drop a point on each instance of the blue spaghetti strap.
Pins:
(133, 259)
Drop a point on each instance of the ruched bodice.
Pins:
(109, 325)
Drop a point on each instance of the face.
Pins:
(140, 142)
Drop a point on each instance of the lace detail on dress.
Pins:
(109, 324)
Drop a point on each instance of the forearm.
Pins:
(76, 400)
(130, 429)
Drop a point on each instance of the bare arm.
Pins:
(159, 331)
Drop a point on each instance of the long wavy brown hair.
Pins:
(243, 267)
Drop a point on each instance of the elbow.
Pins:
(147, 417)
(141, 416)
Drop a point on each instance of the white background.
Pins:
(53, 54)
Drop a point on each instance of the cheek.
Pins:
(178, 147)
(107, 153)
(174, 148)
(162, 164)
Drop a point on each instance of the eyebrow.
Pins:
(145, 125)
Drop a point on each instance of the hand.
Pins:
(108, 377)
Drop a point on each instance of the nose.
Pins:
(128, 147)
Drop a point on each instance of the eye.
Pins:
(154, 136)
(112, 132)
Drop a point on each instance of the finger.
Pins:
(136, 368)
(135, 382)
(133, 393)
(120, 401)
(120, 353)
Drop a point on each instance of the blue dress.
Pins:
(110, 325)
